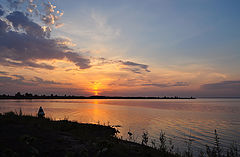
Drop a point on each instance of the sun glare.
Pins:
(96, 92)
(96, 87)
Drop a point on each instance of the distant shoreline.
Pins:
(90, 97)
(219, 97)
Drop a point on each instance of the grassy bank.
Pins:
(22, 135)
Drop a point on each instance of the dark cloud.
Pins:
(3, 27)
(133, 64)
(1, 11)
(134, 70)
(26, 42)
(19, 77)
(134, 67)
(15, 83)
(39, 80)
(126, 81)
(222, 85)
(181, 84)
(19, 80)
(7, 81)
(79, 61)
(3, 72)
(177, 84)
(20, 21)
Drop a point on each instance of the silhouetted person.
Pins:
(41, 113)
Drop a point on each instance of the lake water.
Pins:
(194, 119)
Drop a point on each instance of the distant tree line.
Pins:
(27, 95)
(18, 95)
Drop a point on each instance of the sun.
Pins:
(96, 92)
(96, 86)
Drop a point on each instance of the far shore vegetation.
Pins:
(18, 95)
(27, 135)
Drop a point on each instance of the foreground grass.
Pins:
(22, 135)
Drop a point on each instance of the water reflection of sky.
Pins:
(180, 119)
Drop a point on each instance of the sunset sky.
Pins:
(120, 48)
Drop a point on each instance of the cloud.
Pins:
(15, 83)
(134, 70)
(39, 80)
(177, 84)
(79, 61)
(19, 77)
(65, 42)
(25, 42)
(222, 85)
(3, 72)
(45, 9)
(181, 84)
(20, 21)
(51, 15)
(32, 7)
(3, 26)
(19, 80)
(136, 66)
(58, 25)
(1, 11)
(8, 82)
(5, 79)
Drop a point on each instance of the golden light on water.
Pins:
(95, 102)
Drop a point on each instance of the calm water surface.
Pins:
(180, 119)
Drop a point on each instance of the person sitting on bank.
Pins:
(41, 113)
